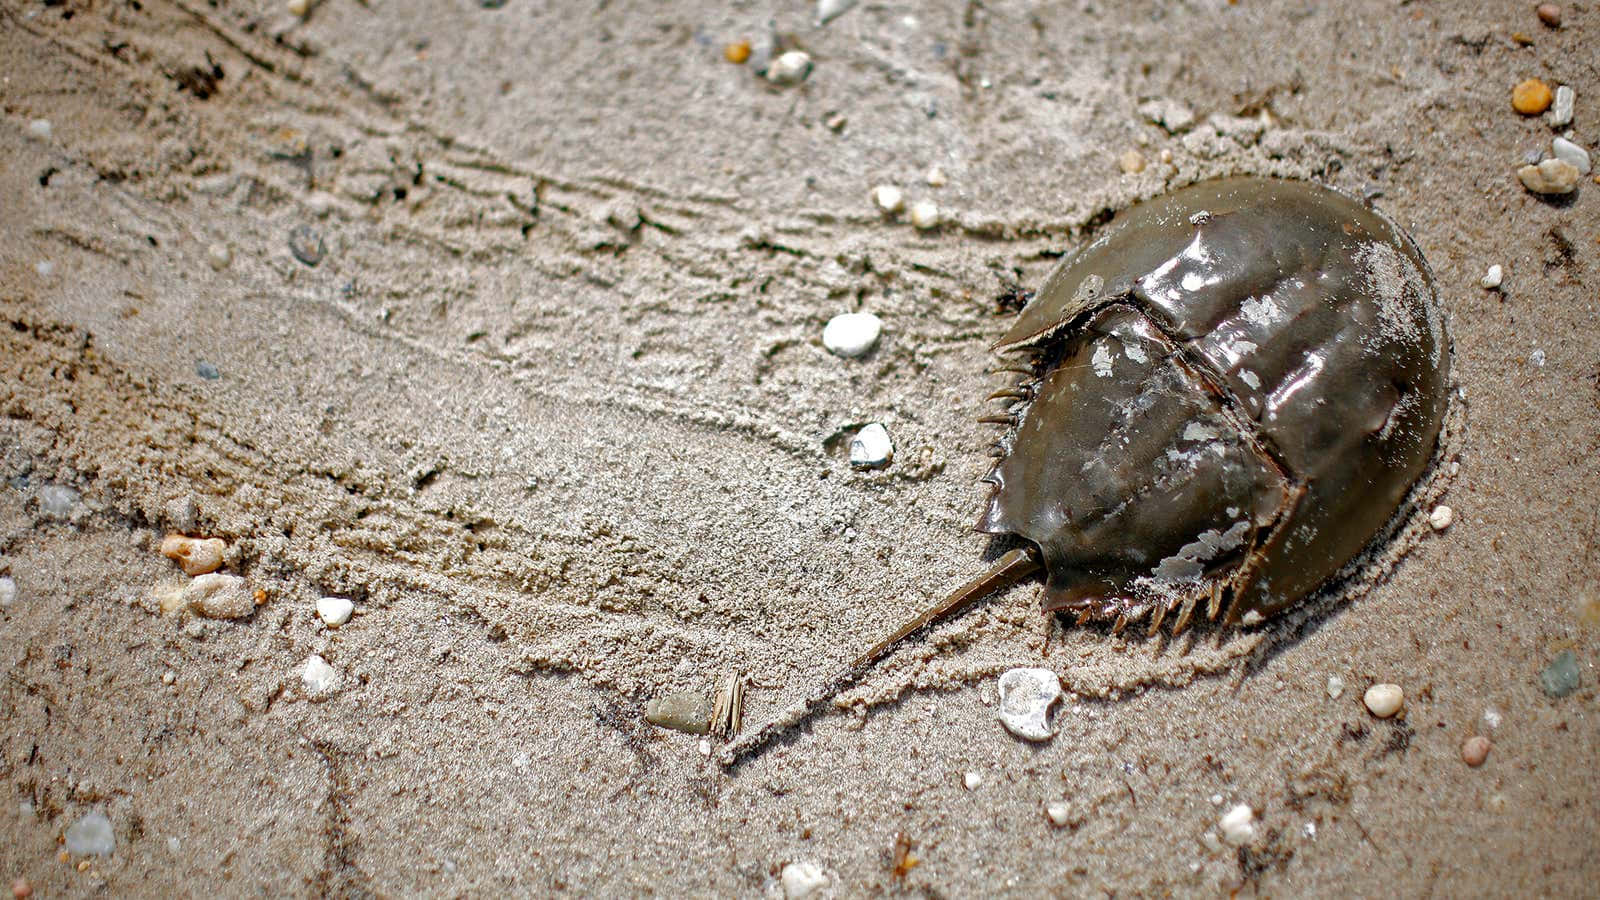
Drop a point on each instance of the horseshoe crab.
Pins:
(1213, 407)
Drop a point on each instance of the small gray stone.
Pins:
(91, 836)
(1561, 677)
(207, 371)
(306, 245)
(1571, 153)
(684, 711)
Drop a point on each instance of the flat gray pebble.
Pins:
(1561, 677)
(207, 371)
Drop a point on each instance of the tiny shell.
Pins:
(1026, 696)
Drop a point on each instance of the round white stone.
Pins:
(334, 611)
(973, 780)
(8, 590)
(871, 447)
(1492, 278)
(851, 334)
(803, 879)
(218, 255)
(1237, 825)
(1335, 687)
(1026, 696)
(925, 214)
(318, 676)
(889, 198)
(790, 68)
(936, 177)
(1442, 517)
(1383, 700)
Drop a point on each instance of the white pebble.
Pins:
(973, 780)
(889, 198)
(828, 10)
(1059, 811)
(936, 177)
(871, 447)
(318, 676)
(1560, 114)
(1572, 154)
(1537, 357)
(851, 334)
(1491, 718)
(299, 8)
(925, 214)
(803, 879)
(1026, 696)
(1237, 825)
(40, 128)
(1310, 830)
(1335, 687)
(705, 748)
(1550, 176)
(218, 255)
(168, 677)
(1491, 279)
(91, 836)
(8, 590)
(790, 68)
(45, 268)
(1442, 517)
(174, 845)
(1383, 700)
(334, 611)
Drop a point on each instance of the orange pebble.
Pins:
(1531, 97)
(21, 889)
(737, 52)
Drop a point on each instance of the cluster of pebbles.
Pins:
(1559, 170)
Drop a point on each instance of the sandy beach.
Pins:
(503, 321)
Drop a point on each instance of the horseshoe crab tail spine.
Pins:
(1008, 570)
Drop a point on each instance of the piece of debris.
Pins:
(803, 879)
(790, 68)
(197, 556)
(1491, 279)
(91, 835)
(211, 595)
(41, 129)
(1026, 696)
(851, 334)
(1475, 750)
(1169, 114)
(688, 711)
(1550, 176)
(334, 611)
(58, 501)
(727, 712)
(1531, 97)
(8, 591)
(871, 448)
(1237, 825)
(306, 245)
(1335, 687)
(1383, 700)
(828, 10)
(1561, 677)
